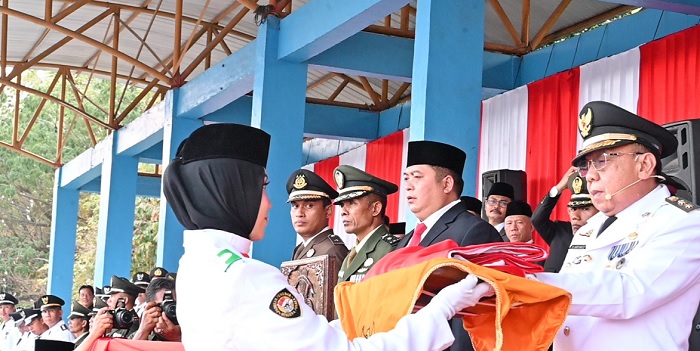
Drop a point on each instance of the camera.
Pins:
(122, 318)
(168, 306)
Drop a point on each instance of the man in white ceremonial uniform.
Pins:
(216, 186)
(26, 340)
(9, 334)
(52, 313)
(634, 269)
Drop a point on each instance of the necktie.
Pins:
(606, 224)
(417, 234)
(351, 255)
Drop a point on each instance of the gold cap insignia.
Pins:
(159, 272)
(300, 182)
(45, 299)
(577, 185)
(339, 178)
(585, 123)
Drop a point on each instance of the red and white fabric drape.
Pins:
(533, 128)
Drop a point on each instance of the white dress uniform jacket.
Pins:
(26, 343)
(636, 286)
(8, 336)
(251, 307)
(59, 332)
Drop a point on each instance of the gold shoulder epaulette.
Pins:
(681, 203)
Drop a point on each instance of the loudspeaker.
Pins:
(684, 164)
(517, 179)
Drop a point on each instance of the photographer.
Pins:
(155, 324)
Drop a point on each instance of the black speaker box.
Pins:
(517, 179)
(684, 164)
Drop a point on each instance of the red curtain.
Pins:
(384, 161)
(551, 136)
(669, 78)
(325, 170)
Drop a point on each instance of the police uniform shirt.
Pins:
(636, 286)
(59, 332)
(256, 309)
(26, 342)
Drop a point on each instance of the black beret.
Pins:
(122, 285)
(353, 183)
(226, 140)
(48, 301)
(77, 310)
(518, 208)
(434, 153)
(141, 278)
(502, 189)
(579, 192)
(7, 299)
(603, 125)
(306, 185)
(471, 203)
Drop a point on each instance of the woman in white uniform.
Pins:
(216, 187)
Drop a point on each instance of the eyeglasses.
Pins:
(494, 202)
(602, 161)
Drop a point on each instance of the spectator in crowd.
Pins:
(155, 324)
(362, 201)
(497, 199)
(222, 219)
(632, 270)
(310, 199)
(86, 295)
(36, 324)
(518, 223)
(52, 314)
(141, 279)
(26, 339)
(78, 322)
(9, 334)
(558, 234)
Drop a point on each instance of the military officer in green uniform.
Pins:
(310, 199)
(79, 322)
(362, 199)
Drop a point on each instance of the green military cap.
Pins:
(353, 183)
(77, 310)
(603, 125)
(122, 285)
(579, 192)
(99, 304)
(306, 185)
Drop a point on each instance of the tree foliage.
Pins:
(26, 188)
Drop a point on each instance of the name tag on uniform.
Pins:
(577, 247)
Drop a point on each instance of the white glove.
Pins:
(462, 294)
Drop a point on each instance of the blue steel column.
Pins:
(175, 130)
(64, 225)
(117, 206)
(447, 71)
(279, 99)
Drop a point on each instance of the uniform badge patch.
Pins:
(64, 327)
(285, 304)
(310, 253)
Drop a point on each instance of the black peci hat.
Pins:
(502, 189)
(603, 125)
(471, 203)
(434, 153)
(306, 185)
(353, 183)
(518, 208)
(226, 140)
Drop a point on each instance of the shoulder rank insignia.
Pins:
(681, 203)
(335, 239)
(64, 327)
(285, 304)
(390, 239)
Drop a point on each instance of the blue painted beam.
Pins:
(691, 7)
(321, 24)
(145, 186)
(219, 85)
(153, 155)
(64, 225)
(611, 39)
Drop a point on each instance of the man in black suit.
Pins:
(433, 186)
(558, 234)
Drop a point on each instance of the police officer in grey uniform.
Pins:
(362, 200)
(310, 199)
